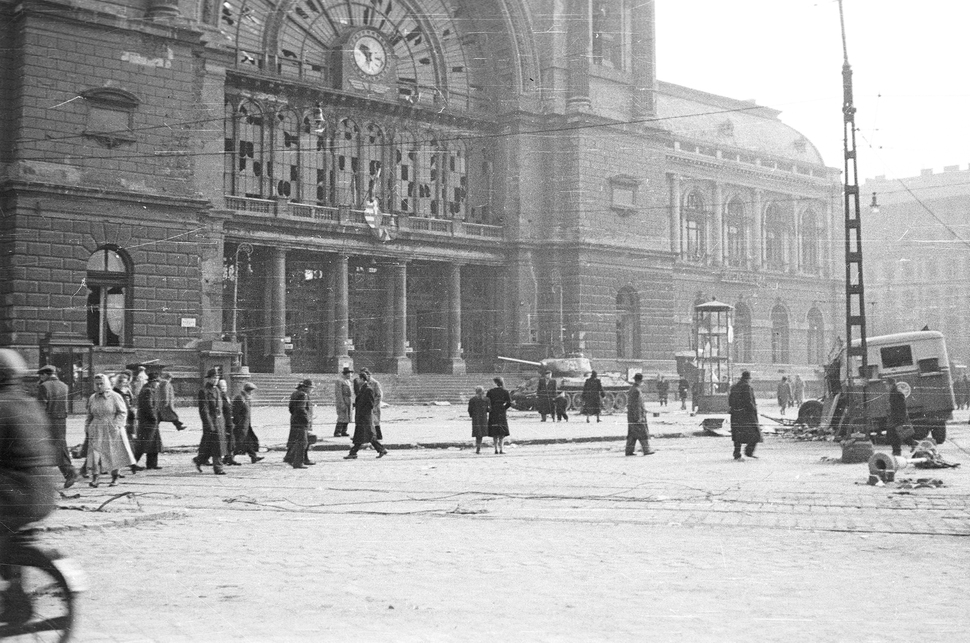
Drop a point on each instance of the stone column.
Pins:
(758, 251)
(279, 360)
(644, 64)
(675, 227)
(212, 260)
(454, 364)
(796, 255)
(717, 250)
(578, 43)
(162, 9)
(398, 361)
(341, 316)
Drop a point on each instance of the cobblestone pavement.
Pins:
(569, 542)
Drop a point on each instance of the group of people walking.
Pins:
(790, 393)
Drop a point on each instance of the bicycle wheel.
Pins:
(51, 600)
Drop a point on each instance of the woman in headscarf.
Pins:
(478, 411)
(593, 397)
(108, 446)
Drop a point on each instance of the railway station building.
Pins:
(415, 186)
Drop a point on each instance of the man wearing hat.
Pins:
(301, 419)
(216, 414)
(149, 441)
(545, 394)
(344, 401)
(242, 421)
(166, 402)
(52, 394)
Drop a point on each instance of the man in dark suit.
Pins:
(52, 394)
(545, 394)
(216, 415)
(242, 421)
(744, 417)
(301, 419)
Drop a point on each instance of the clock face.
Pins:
(370, 55)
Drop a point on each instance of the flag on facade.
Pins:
(375, 220)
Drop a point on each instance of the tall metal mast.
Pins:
(855, 300)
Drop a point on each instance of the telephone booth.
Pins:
(713, 335)
(73, 356)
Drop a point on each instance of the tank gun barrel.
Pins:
(520, 361)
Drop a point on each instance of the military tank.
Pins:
(570, 374)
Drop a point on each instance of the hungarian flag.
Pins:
(372, 211)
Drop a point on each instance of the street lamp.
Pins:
(246, 249)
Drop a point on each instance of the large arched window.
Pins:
(317, 160)
(742, 333)
(627, 324)
(735, 225)
(405, 181)
(810, 232)
(775, 230)
(816, 337)
(454, 181)
(110, 296)
(288, 156)
(779, 335)
(694, 220)
(372, 156)
(247, 151)
(346, 145)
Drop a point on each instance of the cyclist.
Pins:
(27, 481)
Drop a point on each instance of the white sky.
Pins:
(910, 77)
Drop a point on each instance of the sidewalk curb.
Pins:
(121, 521)
(460, 444)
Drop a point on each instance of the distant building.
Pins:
(415, 186)
(917, 256)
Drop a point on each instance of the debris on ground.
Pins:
(439, 403)
(927, 451)
(919, 483)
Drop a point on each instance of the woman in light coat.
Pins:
(108, 446)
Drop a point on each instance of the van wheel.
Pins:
(921, 430)
(939, 432)
(810, 414)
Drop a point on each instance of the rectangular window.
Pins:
(896, 356)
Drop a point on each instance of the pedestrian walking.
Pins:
(636, 418)
(545, 394)
(478, 411)
(364, 420)
(122, 386)
(663, 390)
(963, 387)
(899, 429)
(498, 422)
(108, 446)
(215, 411)
(52, 394)
(683, 386)
(593, 395)
(301, 419)
(149, 440)
(138, 381)
(744, 417)
(166, 402)
(560, 405)
(798, 391)
(343, 401)
(784, 394)
(242, 424)
(378, 399)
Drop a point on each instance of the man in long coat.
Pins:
(343, 401)
(545, 394)
(166, 403)
(593, 395)
(215, 412)
(301, 419)
(898, 418)
(636, 418)
(784, 394)
(52, 394)
(149, 440)
(744, 417)
(242, 422)
(364, 420)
